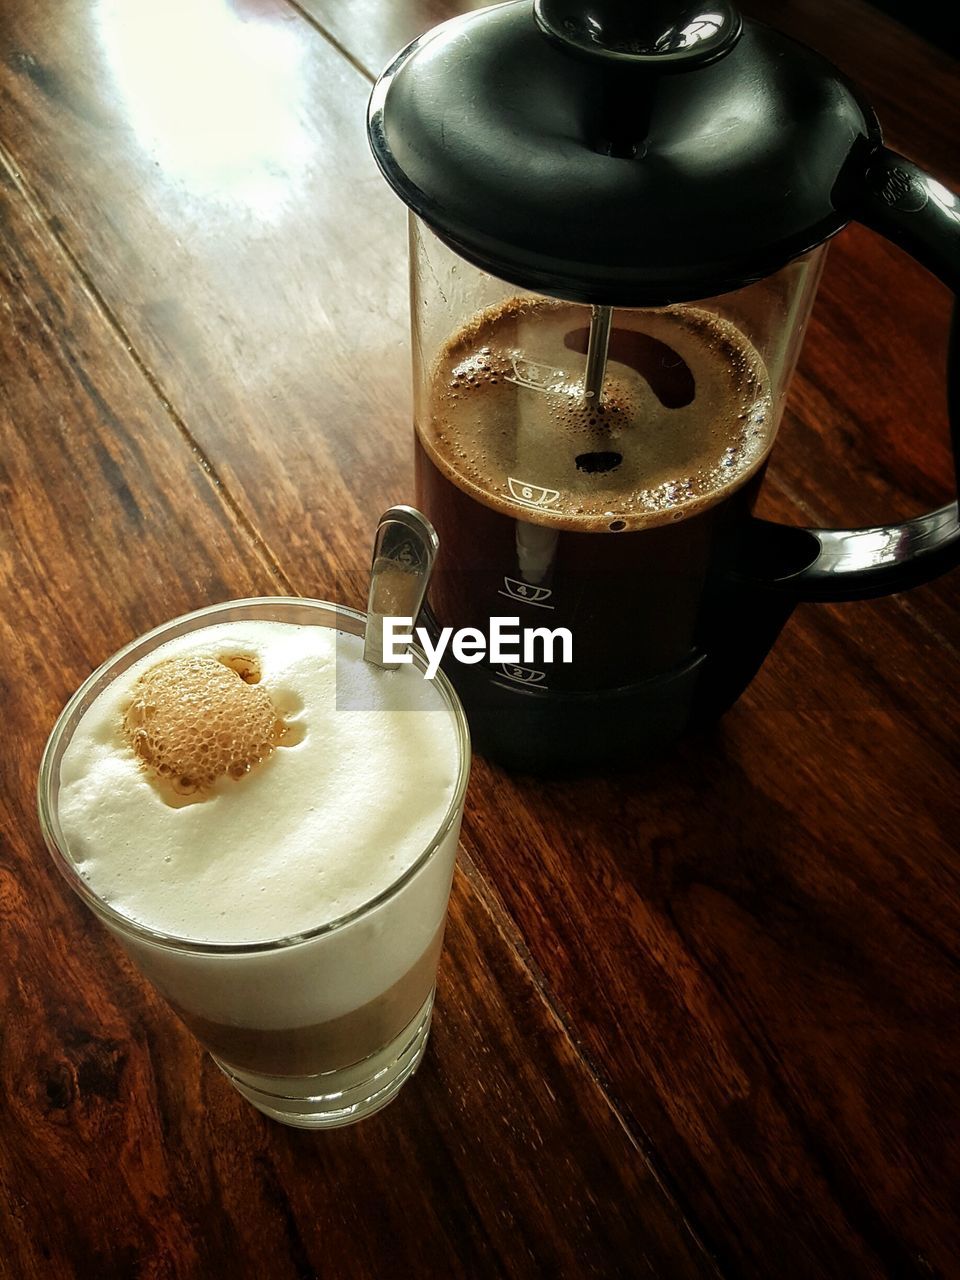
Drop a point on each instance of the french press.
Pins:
(619, 213)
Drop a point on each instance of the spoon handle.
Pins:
(404, 550)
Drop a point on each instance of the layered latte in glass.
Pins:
(269, 825)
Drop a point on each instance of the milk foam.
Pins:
(313, 832)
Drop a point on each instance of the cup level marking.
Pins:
(521, 675)
(537, 377)
(525, 593)
(537, 604)
(532, 495)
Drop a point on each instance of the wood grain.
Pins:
(123, 1151)
(772, 927)
(755, 943)
(255, 263)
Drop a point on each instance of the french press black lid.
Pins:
(620, 153)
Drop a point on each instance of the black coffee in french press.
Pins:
(619, 214)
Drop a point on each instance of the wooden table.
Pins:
(697, 1021)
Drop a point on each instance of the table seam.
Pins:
(240, 517)
(503, 921)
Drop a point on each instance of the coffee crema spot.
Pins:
(196, 719)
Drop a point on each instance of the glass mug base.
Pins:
(333, 1099)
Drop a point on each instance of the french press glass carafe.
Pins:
(618, 217)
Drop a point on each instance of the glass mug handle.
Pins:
(904, 204)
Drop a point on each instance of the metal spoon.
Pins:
(404, 550)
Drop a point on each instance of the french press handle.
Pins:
(904, 204)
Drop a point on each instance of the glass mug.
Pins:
(321, 1028)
